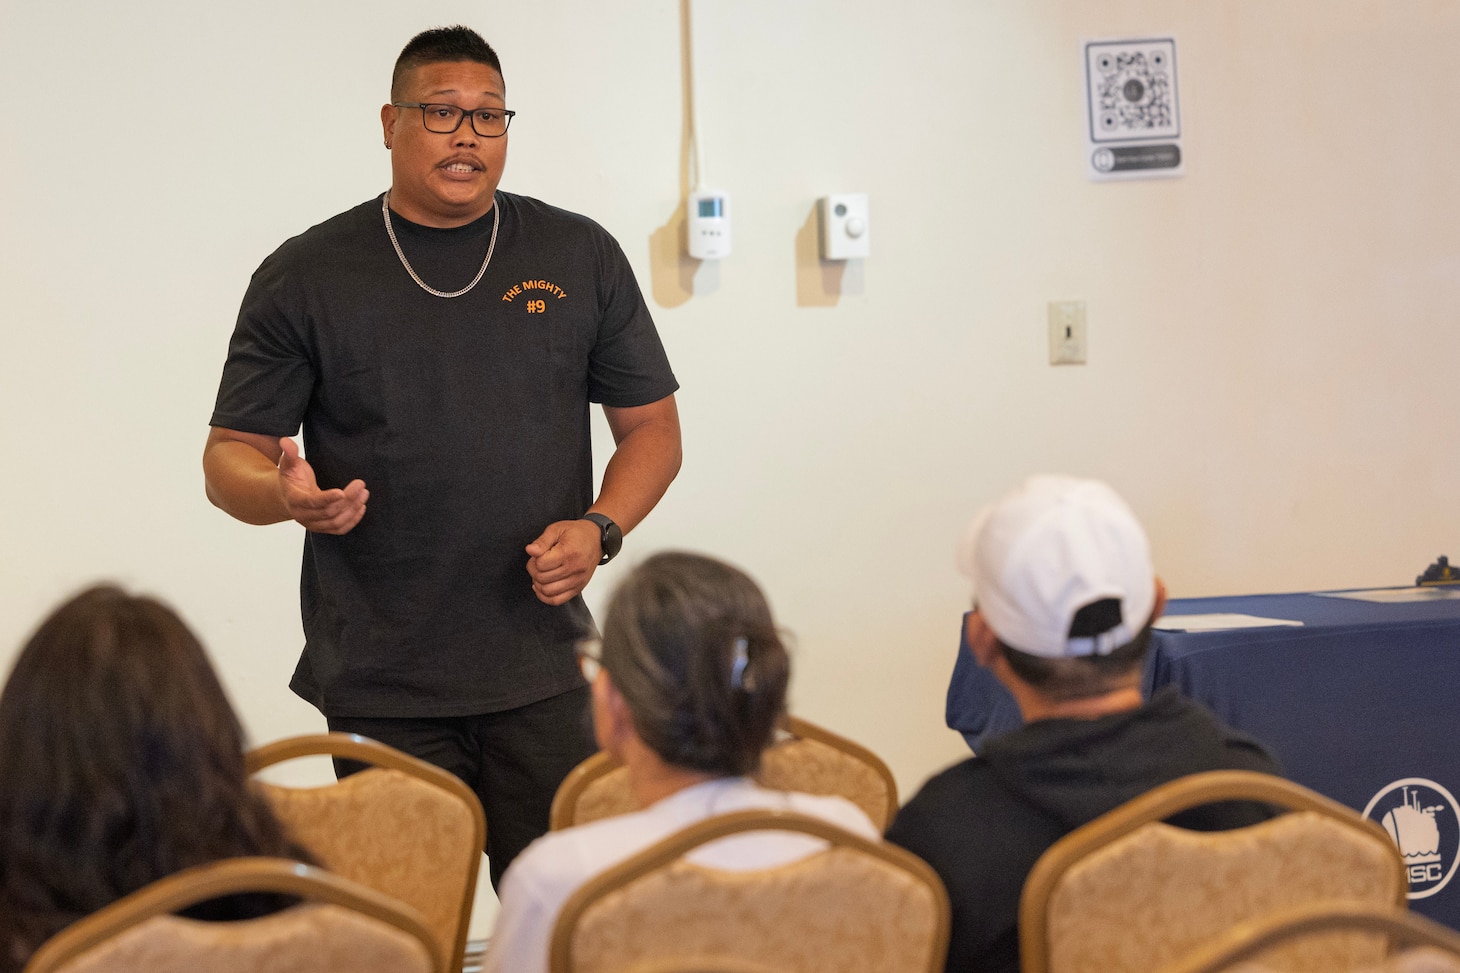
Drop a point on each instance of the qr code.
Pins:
(1132, 86)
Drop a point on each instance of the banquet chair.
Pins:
(854, 904)
(402, 827)
(340, 927)
(803, 757)
(1128, 892)
(1436, 948)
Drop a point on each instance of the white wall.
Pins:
(1273, 337)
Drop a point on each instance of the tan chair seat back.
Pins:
(1127, 893)
(340, 928)
(816, 765)
(403, 827)
(857, 905)
(1254, 946)
(597, 788)
(805, 758)
(309, 938)
(702, 963)
(1182, 888)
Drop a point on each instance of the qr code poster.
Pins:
(1134, 124)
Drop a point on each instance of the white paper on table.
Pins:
(1219, 622)
(1396, 595)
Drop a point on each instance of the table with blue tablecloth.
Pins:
(1361, 702)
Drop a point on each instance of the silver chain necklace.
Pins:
(390, 230)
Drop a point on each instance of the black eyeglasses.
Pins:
(489, 123)
(590, 657)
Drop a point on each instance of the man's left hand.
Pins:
(562, 560)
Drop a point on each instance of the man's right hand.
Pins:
(322, 511)
(263, 480)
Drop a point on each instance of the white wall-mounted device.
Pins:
(708, 225)
(845, 228)
(1067, 332)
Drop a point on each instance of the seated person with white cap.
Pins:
(1064, 597)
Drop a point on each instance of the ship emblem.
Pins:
(1423, 821)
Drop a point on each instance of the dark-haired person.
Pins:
(440, 345)
(688, 683)
(1064, 597)
(121, 763)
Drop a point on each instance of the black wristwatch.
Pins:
(610, 538)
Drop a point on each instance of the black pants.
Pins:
(513, 760)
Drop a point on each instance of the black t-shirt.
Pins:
(467, 418)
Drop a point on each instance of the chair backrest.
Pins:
(342, 927)
(595, 789)
(856, 904)
(804, 758)
(1127, 892)
(402, 827)
(813, 760)
(1439, 946)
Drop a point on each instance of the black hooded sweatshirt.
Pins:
(982, 823)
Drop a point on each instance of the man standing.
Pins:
(440, 346)
(1064, 599)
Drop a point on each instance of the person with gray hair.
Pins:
(1064, 598)
(688, 682)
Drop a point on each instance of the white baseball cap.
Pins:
(1047, 549)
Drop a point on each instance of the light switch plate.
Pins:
(1067, 332)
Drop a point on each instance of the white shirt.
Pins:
(540, 880)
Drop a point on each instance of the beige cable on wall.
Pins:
(707, 234)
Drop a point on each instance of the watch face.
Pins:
(610, 538)
(613, 539)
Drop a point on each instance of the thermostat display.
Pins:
(709, 225)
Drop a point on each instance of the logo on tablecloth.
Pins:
(1423, 820)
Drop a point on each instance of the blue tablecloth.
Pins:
(1361, 703)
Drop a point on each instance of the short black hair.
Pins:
(1083, 677)
(439, 44)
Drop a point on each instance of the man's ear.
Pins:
(388, 115)
(982, 641)
(1160, 605)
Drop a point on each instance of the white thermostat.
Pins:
(709, 224)
(845, 230)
